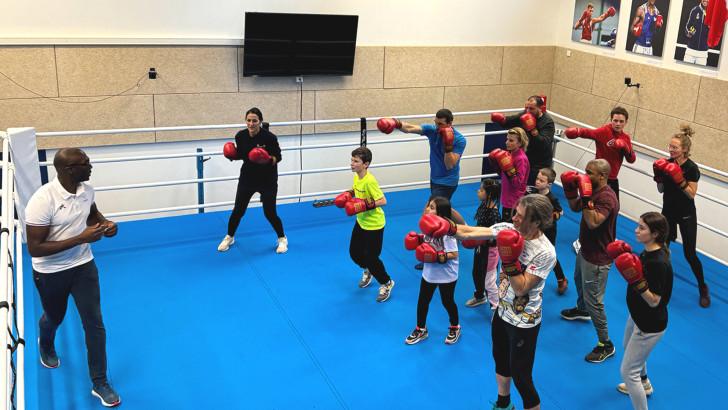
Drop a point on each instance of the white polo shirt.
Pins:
(65, 213)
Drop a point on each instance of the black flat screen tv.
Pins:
(283, 44)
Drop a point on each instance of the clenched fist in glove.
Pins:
(629, 265)
(503, 161)
(498, 118)
(344, 197)
(437, 226)
(510, 245)
(413, 240)
(358, 205)
(427, 254)
(618, 247)
(448, 138)
(387, 125)
(229, 151)
(570, 182)
(259, 156)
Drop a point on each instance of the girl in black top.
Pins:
(260, 152)
(485, 256)
(648, 293)
(678, 204)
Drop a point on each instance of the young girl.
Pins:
(440, 256)
(485, 257)
(677, 178)
(649, 289)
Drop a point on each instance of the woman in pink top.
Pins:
(514, 187)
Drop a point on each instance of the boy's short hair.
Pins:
(363, 153)
(549, 173)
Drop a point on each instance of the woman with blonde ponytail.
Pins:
(677, 178)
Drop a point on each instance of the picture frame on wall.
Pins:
(692, 39)
(596, 22)
(648, 22)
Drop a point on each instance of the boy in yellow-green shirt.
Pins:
(365, 201)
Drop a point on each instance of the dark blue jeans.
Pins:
(82, 282)
(442, 190)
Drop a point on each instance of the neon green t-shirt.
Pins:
(368, 188)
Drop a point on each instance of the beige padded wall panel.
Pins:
(227, 108)
(576, 71)
(95, 70)
(47, 115)
(587, 108)
(711, 109)
(490, 97)
(371, 103)
(441, 66)
(527, 65)
(32, 67)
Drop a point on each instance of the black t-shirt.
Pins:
(252, 175)
(657, 269)
(539, 150)
(674, 200)
(485, 216)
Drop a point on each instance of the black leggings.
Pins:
(689, 233)
(242, 199)
(551, 236)
(365, 248)
(447, 295)
(514, 351)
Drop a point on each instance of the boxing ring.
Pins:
(281, 331)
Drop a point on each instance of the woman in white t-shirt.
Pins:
(440, 258)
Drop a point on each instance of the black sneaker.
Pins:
(420, 266)
(417, 335)
(106, 394)
(575, 314)
(601, 352)
(453, 335)
(48, 358)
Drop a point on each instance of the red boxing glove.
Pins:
(618, 247)
(358, 205)
(504, 161)
(510, 245)
(259, 156)
(585, 191)
(387, 125)
(229, 151)
(413, 240)
(528, 121)
(658, 168)
(543, 107)
(675, 173)
(344, 197)
(427, 254)
(659, 20)
(472, 243)
(629, 265)
(623, 147)
(572, 133)
(570, 182)
(637, 29)
(611, 11)
(436, 226)
(448, 138)
(498, 118)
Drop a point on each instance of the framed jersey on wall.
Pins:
(692, 38)
(595, 22)
(647, 24)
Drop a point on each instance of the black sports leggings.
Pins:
(447, 295)
(267, 197)
(514, 351)
(689, 233)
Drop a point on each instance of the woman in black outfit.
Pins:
(260, 152)
(677, 178)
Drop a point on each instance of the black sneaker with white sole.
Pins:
(601, 352)
(106, 394)
(575, 314)
(48, 357)
(417, 335)
(453, 335)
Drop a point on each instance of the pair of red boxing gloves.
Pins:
(664, 168)
(258, 155)
(528, 121)
(578, 186)
(352, 205)
(618, 143)
(447, 134)
(628, 264)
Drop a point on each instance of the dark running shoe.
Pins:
(417, 335)
(106, 394)
(704, 296)
(601, 352)
(48, 357)
(453, 335)
(420, 266)
(575, 314)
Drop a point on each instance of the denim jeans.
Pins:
(442, 190)
(81, 282)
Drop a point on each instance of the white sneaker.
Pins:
(577, 246)
(226, 242)
(645, 385)
(282, 245)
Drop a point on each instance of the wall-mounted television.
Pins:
(284, 44)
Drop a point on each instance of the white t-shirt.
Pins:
(65, 213)
(442, 272)
(538, 258)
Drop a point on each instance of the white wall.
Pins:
(565, 24)
(402, 22)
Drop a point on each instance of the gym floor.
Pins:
(190, 327)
